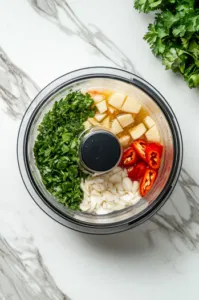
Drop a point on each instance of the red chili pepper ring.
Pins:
(129, 157)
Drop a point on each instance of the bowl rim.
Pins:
(144, 215)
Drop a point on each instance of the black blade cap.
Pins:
(100, 151)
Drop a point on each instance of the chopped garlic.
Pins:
(109, 192)
(115, 178)
(128, 184)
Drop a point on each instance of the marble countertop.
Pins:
(40, 259)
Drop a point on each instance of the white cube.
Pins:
(149, 122)
(111, 109)
(131, 105)
(97, 98)
(124, 140)
(93, 121)
(100, 117)
(101, 106)
(87, 125)
(153, 135)
(106, 123)
(137, 131)
(125, 119)
(116, 100)
(116, 127)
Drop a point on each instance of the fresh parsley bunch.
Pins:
(174, 36)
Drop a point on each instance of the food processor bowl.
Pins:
(157, 107)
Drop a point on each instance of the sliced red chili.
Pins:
(156, 146)
(153, 155)
(147, 181)
(129, 157)
(137, 172)
(140, 148)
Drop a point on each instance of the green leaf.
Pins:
(147, 5)
(66, 137)
(174, 35)
(65, 148)
(166, 20)
(175, 59)
(193, 80)
(179, 31)
(155, 4)
(185, 43)
(155, 37)
(56, 147)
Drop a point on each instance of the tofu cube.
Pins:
(106, 123)
(97, 98)
(125, 120)
(137, 131)
(116, 100)
(116, 127)
(124, 140)
(102, 107)
(153, 134)
(148, 122)
(111, 109)
(131, 105)
(87, 125)
(100, 117)
(93, 121)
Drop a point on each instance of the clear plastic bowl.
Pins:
(158, 108)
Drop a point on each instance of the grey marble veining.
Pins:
(17, 89)
(180, 215)
(92, 35)
(23, 275)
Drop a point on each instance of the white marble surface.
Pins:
(39, 259)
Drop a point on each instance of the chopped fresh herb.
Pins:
(57, 144)
(174, 36)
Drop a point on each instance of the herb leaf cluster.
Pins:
(174, 35)
(57, 144)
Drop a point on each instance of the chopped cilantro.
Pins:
(57, 144)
